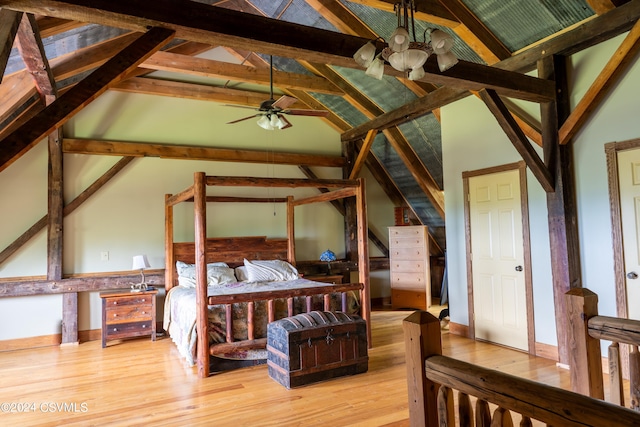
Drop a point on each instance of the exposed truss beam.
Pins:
(518, 139)
(32, 51)
(617, 65)
(186, 152)
(72, 101)
(218, 26)
(9, 22)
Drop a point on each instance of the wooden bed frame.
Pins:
(234, 250)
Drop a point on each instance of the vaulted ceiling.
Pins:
(59, 56)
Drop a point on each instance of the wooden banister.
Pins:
(534, 401)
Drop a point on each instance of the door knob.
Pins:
(519, 268)
(632, 275)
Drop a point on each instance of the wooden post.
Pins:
(363, 255)
(422, 339)
(291, 235)
(170, 270)
(199, 210)
(585, 358)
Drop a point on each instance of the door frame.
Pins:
(521, 167)
(611, 150)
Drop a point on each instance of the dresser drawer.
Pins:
(127, 314)
(408, 281)
(401, 298)
(408, 266)
(405, 242)
(404, 232)
(416, 253)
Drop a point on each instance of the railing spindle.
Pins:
(526, 422)
(250, 320)
(483, 414)
(465, 411)
(446, 414)
(616, 385)
(501, 418)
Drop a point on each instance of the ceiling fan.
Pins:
(272, 112)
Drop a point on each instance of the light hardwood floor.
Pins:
(139, 382)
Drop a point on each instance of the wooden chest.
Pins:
(316, 346)
(127, 314)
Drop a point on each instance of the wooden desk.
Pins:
(127, 314)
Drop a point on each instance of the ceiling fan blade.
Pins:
(242, 119)
(284, 102)
(287, 123)
(241, 106)
(314, 113)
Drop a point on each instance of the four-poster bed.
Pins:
(261, 303)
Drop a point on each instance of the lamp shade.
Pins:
(399, 40)
(140, 262)
(265, 123)
(364, 56)
(376, 68)
(416, 73)
(441, 42)
(408, 59)
(328, 256)
(446, 60)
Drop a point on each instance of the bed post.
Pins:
(363, 255)
(291, 237)
(169, 270)
(200, 224)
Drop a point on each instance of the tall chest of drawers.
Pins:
(409, 267)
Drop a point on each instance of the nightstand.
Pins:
(326, 278)
(127, 314)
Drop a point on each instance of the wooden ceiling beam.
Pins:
(187, 152)
(601, 6)
(218, 26)
(196, 91)
(76, 98)
(190, 65)
(32, 52)
(518, 139)
(50, 26)
(617, 65)
(9, 23)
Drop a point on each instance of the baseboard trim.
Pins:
(546, 351)
(458, 329)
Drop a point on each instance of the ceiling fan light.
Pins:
(399, 40)
(276, 122)
(446, 60)
(376, 68)
(265, 123)
(441, 41)
(364, 56)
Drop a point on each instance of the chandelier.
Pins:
(403, 54)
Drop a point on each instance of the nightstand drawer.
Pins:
(137, 299)
(126, 330)
(128, 313)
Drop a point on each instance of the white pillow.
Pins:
(270, 271)
(218, 273)
(241, 274)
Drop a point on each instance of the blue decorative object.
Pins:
(328, 256)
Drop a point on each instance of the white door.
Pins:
(497, 255)
(629, 179)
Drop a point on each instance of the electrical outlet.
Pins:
(104, 256)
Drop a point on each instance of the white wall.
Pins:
(468, 127)
(126, 217)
